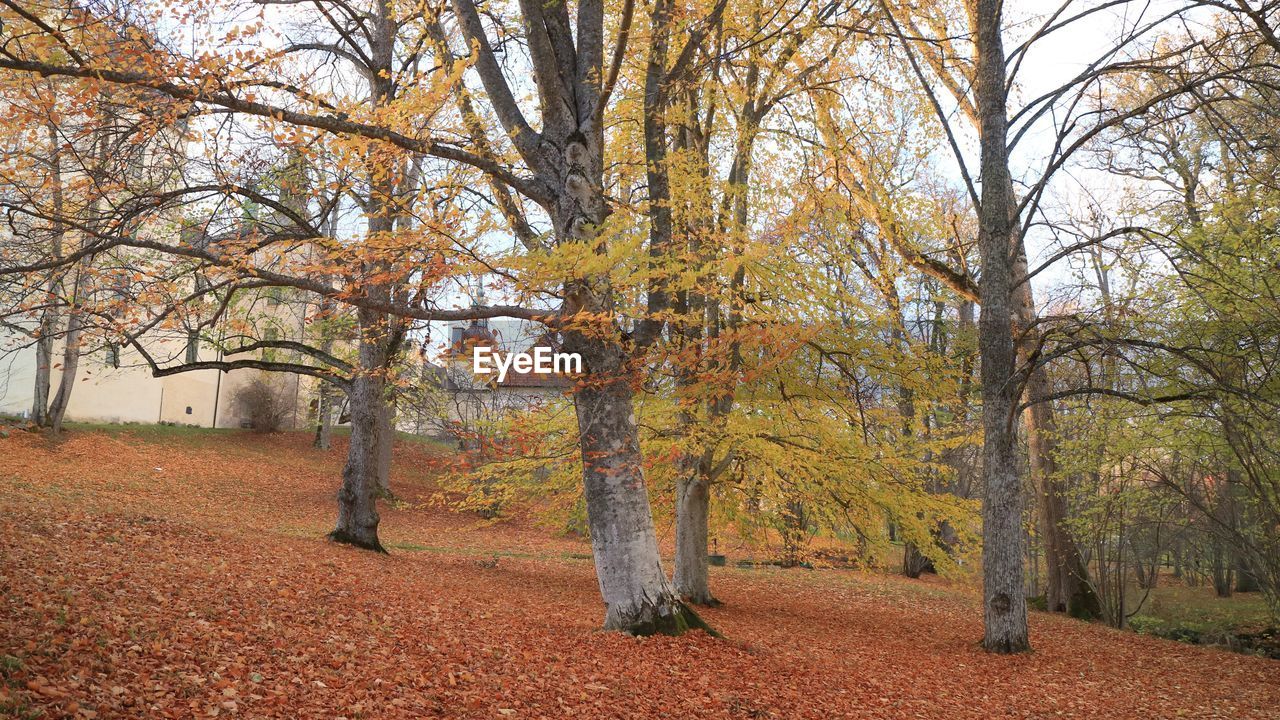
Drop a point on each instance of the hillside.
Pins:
(184, 574)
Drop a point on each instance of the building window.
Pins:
(271, 334)
(113, 355)
(193, 346)
(275, 296)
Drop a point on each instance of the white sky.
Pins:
(1053, 61)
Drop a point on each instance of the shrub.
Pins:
(264, 404)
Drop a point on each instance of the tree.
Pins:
(92, 150)
(564, 160)
(686, 113)
(1004, 601)
(940, 65)
(1185, 341)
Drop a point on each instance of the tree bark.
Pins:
(693, 507)
(101, 151)
(381, 335)
(1246, 580)
(49, 317)
(386, 446)
(638, 598)
(693, 484)
(1004, 599)
(324, 417)
(70, 367)
(44, 364)
(70, 357)
(1221, 569)
(1067, 586)
(357, 499)
(693, 511)
(325, 392)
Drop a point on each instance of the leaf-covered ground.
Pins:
(185, 577)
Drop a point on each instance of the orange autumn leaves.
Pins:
(185, 576)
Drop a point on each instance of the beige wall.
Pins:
(189, 398)
(106, 394)
(130, 394)
(295, 390)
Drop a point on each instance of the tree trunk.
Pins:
(325, 392)
(70, 364)
(1221, 571)
(386, 446)
(693, 490)
(49, 317)
(638, 598)
(792, 528)
(1067, 587)
(702, 316)
(324, 417)
(1236, 508)
(357, 499)
(1144, 579)
(44, 366)
(1004, 599)
(693, 503)
(75, 315)
(566, 157)
(382, 334)
(914, 562)
(1246, 580)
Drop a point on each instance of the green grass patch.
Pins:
(1198, 609)
(178, 434)
(19, 710)
(488, 553)
(196, 435)
(9, 666)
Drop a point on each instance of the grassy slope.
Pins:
(149, 574)
(1174, 605)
